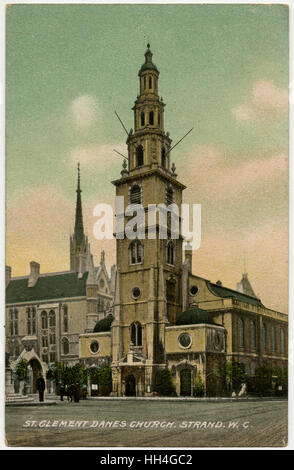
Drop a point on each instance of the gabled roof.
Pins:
(47, 287)
(225, 292)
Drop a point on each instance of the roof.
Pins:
(104, 324)
(225, 292)
(194, 316)
(48, 286)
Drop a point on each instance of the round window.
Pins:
(185, 340)
(94, 346)
(136, 292)
(193, 290)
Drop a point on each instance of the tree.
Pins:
(163, 383)
(21, 369)
(198, 389)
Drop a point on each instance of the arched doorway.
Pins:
(185, 378)
(130, 386)
(36, 370)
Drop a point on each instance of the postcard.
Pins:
(146, 225)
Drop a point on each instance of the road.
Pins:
(132, 423)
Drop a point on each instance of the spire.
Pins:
(148, 65)
(79, 227)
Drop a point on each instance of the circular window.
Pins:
(185, 340)
(136, 292)
(94, 347)
(193, 290)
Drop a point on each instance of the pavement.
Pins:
(151, 423)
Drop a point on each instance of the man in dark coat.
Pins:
(40, 384)
(77, 392)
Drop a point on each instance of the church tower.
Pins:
(148, 278)
(79, 246)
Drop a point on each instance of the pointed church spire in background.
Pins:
(79, 226)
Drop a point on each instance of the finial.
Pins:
(148, 45)
(124, 164)
(173, 167)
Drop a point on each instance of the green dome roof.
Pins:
(104, 324)
(195, 316)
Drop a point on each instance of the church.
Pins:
(46, 312)
(151, 313)
(164, 315)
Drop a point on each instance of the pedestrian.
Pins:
(77, 392)
(71, 390)
(62, 391)
(40, 385)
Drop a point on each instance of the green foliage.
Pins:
(21, 369)
(50, 374)
(268, 380)
(232, 375)
(163, 383)
(103, 377)
(198, 389)
(104, 324)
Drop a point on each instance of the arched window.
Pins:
(33, 320)
(44, 320)
(282, 341)
(241, 332)
(171, 290)
(170, 253)
(29, 321)
(252, 335)
(144, 83)
(52, 338)
(142, 119)
(136, 334)
(140, 155)
(169, 195)
(264, 336)
(274, 344)
(65, 318)
(150, 83)
(135, 195)
(163, 158)
(151, 118)
(65, 346)
(51, 318)
(136, 249)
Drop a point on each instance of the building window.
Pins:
(169, 195)
(282, 341)
(94, 347)
(136, 334)
(252, 335)
(52, 338)
(44, 320)
(158, 118)
(142, 119)
(136, 252)
(193, 290)
(65, 318)
(163, 157)
(52, 357)
(241, 332)
(185, 340)
(171, 290)
(51, 318)
(44, 341)
(170, 253)
(31, 321)
(135, 194)
(274, 344)
(16, 349)
(65, 346)
(140, 155)
(150, 83)
(136, 292)
(45, 358)
(264, 336)
(13, 321)
(151, 118)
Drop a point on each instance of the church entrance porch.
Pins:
(34, 370)
(130, 386)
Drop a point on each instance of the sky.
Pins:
(223, 71)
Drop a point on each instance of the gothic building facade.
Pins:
(164, 315)
(46, 312)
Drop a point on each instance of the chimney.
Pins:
(219, 283)
(7, 275)
(34, 273)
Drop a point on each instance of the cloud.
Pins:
(84, 112)
(97, 156)
(267, 101)
(217, 175)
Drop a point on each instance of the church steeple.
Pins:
(79, 246)
(79, 226)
